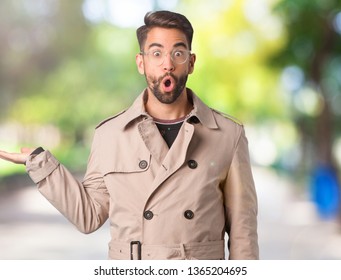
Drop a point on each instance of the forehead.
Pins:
(165, 37)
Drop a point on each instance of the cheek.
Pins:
(184, 69)
(151, 80)
(149, 70)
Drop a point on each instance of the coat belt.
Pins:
(208, 250)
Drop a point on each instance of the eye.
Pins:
(178, 53)
(157, 53)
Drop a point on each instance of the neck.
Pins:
(178, 109)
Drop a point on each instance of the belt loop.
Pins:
(183, 252)
(138, 243)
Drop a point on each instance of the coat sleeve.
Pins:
(85, 204)
(241, 205)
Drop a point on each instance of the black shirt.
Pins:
(169, 129)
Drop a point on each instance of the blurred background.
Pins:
(273, 64)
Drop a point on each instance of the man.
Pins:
(171, 174)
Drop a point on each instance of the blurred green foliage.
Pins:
(313, 49)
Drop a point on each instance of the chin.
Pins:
(167, 97)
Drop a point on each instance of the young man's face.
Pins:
(166, 63)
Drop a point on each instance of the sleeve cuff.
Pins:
(37, 151)
(41, 165)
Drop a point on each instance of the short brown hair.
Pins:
(165, 19)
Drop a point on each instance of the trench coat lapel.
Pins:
(153, 140)
(175, 157)
(177, 154)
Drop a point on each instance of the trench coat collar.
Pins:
(201, 111)
(204, 114)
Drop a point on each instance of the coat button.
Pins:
(148, 215)
(192, 164)
(143, 164)
(189, 214)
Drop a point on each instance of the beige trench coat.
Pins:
(162, 203)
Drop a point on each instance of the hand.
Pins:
(18, 158)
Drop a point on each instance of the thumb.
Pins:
(26, 150)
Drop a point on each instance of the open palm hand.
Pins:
(18, 158)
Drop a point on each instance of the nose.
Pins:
(168, 64)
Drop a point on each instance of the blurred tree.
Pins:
(35, 37)
(86, 87)
(313, 48)
(314, 45)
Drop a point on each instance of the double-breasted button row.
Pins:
(192, 164)
(148, 215)
(143, 164)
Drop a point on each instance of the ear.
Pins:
(140, 63)
(191, 63)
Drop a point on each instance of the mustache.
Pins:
(168, 74)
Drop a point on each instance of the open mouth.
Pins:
(168, 84)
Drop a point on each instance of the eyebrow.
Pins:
(180, 44)
(155, 45)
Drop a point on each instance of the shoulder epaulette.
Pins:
(235, 120)
(110, 118)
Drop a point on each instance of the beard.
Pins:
(154, 84)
